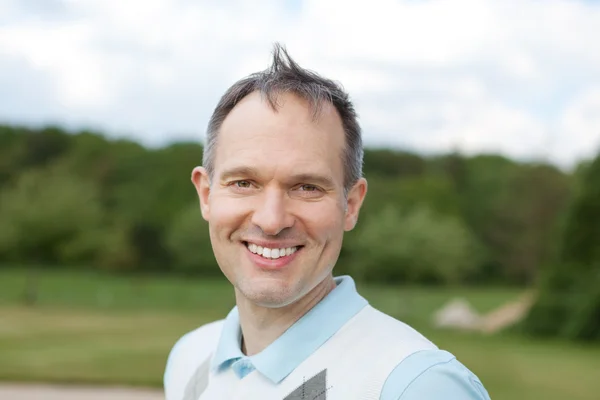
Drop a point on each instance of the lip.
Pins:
(272, 244)
(271, 264)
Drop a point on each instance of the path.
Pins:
(56, 392)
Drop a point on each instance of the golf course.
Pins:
(99, 329)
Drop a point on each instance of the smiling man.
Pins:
(280, 184)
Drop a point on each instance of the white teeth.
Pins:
(271, 253)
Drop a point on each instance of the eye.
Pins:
(309, 188)
(307, 191)
(242, 184)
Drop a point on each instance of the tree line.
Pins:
(80, 199)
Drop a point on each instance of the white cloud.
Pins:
(63, 52)
(579, 134)
(459, 114)
(412, 33)
(506, 75)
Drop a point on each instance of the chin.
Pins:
(269, 294)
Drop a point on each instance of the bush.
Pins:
(188, 240)
(568, 304)
(584, 319)
(50, 215)
(415, 246)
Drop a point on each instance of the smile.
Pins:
(271, 254)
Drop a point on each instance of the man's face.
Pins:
(276, 207)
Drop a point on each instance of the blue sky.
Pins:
(521, 78)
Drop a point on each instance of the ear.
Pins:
(356, 196)
(201, 182)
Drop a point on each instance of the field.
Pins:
(100, 329)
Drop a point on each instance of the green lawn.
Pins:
(96, 328)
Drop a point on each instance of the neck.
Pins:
(262, 325)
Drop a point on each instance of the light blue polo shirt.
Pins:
(425, 375)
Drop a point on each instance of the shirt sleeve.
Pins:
(433, 375)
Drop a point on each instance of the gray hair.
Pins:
(285, 75)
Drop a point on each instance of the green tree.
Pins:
(49, 216)
(434, 192)
(536, 199)
(393, 164)
(147, 190)
(514, 210)
(568, 302)
(188, 240)
(413, 246)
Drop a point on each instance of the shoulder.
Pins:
(416, 367)
(385, 330)
(186, 354)
(433, 374)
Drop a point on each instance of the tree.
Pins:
(188, 240)
(147, 190)
(49, 216)
(536, 198)
(413, 246)
(515, 210)
(568, 302)
(393, 164)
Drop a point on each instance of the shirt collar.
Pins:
(313, 329)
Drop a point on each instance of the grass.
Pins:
(95, 328)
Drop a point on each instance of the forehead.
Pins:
(282, 139)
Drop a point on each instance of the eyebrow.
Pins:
(238, 172)
(317, 179)
(251, 172)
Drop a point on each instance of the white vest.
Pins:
(353, 364)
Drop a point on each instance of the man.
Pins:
(280, 184)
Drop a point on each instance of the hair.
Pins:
(285, 75)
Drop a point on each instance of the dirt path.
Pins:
(54, 392)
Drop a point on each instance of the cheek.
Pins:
(324, 222)
(226, 215)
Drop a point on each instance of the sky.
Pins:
(518, 78)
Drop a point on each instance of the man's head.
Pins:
(282, 176)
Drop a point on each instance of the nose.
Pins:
(271, 214)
